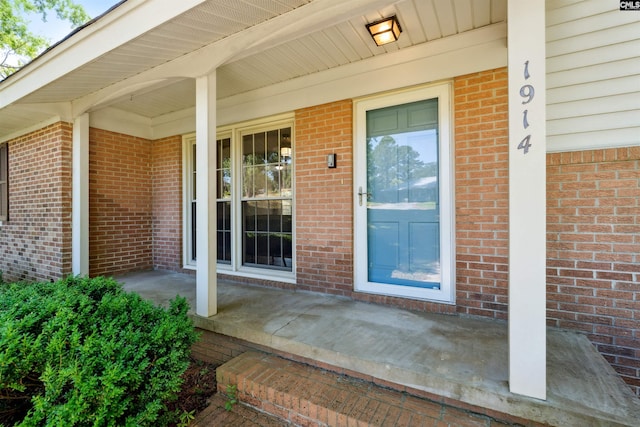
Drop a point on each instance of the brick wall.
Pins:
(120, 203)
(482, 193)
(324, 212)
(593, 250)
(35, 244)
(166, 156)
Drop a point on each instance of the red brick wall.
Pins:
(593, 250)
(166, 156)
(120, 202)
(324, 212)
(35, 244)
(482, 193)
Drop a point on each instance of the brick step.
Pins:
(307, 396)
(216, 415)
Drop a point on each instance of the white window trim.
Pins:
(442, 91)
(235, 132)
(187, 186)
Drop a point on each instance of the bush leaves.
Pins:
(82, 352)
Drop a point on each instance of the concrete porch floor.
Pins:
(460, 358)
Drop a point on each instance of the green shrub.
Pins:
(82, 352)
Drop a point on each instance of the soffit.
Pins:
(343, 43)
(203, 25)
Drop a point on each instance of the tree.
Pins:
(394, 170)
(18, 44)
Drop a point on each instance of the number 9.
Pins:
(528, 92)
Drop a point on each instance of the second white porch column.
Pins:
(527, 198)
(206, 284)
(80, 197)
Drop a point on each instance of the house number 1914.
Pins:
(527, 92)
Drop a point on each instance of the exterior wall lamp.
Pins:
(385, 31)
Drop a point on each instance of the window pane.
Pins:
(285, 181)
(248, 157)
(248, 189)
(273, 146)
(260, 181)
(259, 149)
(262, 245)
(287, 216)
(224, 232)
(275, 216)
(274, 179)
(249, 248)
(268, 244)
(262, 216)
(249, 216)
(223, 160)
(193, 178)
(193, 231)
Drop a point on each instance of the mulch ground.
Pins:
(198, 386)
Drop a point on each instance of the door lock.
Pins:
(360, 194)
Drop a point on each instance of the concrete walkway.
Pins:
(459, 358)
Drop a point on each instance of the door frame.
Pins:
(443, 92)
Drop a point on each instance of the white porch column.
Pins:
(527, 198)
(80, 197)
(206, 285)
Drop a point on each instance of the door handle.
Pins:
(360, 194)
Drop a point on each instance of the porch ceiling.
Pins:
(208, 23)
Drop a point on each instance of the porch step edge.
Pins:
(309, 396)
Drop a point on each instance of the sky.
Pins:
(55, 30)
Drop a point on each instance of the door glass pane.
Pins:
(403, 241)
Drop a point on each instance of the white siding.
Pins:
(593, 75)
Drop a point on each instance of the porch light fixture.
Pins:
(385, 31)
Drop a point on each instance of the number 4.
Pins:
(525, 144)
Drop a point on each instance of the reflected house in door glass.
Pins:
(403, 207)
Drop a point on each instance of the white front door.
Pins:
(403, 195)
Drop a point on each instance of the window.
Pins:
(254, 199)
(266, 199)
(223, 199)
(4, 181)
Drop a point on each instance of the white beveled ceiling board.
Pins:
(17, 122)
(191, 30)
(331, 35)
(475, 51)
(163, 101)
(297, 23)
(123, 24)
(344, 43)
